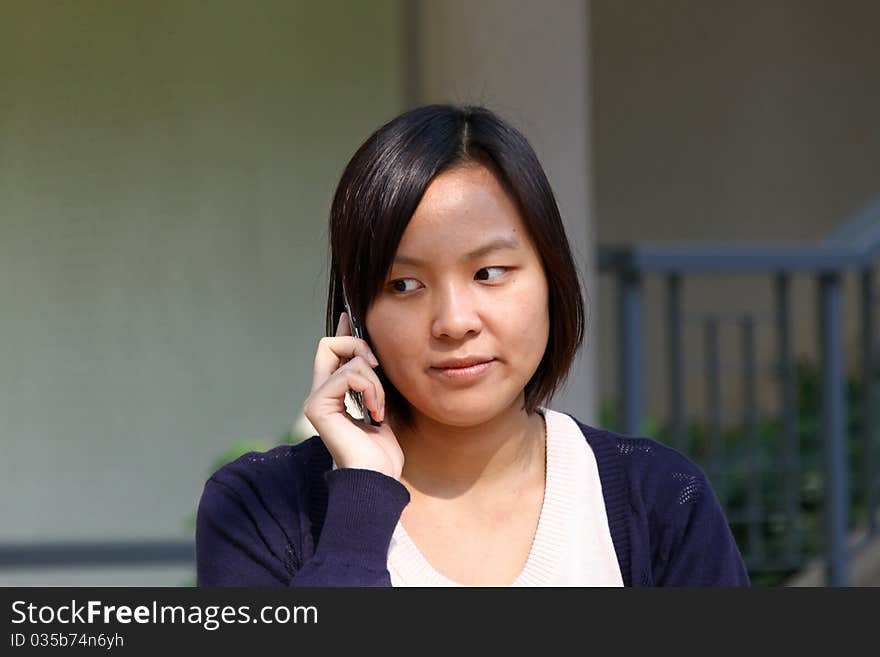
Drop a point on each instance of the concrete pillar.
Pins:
(529, 62)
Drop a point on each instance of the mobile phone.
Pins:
(357, 397)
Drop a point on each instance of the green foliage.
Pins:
(741, 451)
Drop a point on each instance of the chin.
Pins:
(461, 413)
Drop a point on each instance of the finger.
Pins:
(342, 326)
(330, 397)
(334, 352)
(363, 368)
(344, 380)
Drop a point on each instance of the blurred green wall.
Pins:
(166, 170)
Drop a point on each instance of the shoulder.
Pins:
(674, 515)
(250, 522)
(666, 521)
(655, 475)
(278, 477)
(283, 462)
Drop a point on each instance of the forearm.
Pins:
(237, 544)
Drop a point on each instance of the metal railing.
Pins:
(855, 248)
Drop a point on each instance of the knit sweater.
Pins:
(571, 545)
(285, 517)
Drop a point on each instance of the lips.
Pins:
(464, 375)
(457, 363)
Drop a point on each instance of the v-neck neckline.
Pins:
(548, 539)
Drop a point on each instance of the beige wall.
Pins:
(165, 177)
(528, 61)
(731, 121)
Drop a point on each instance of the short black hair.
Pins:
(383, 184)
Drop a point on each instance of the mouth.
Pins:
(464, 373)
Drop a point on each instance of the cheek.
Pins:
(396, 347)
(533, 318)
(393, 340)
(399, 344)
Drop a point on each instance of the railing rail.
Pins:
(101, 554)
(853, 248)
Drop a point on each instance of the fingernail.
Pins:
(372, 359)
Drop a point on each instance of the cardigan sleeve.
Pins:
(241, 542)
(698, 548)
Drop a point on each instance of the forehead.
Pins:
(461, 210)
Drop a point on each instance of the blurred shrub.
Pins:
(746, 452)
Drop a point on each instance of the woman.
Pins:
(447, 239)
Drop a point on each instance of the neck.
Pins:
(443, 461)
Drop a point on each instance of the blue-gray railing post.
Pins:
(869, 424)
(755, 494)
(833, 427)
(713, 405)
(788, 417)
(631, 352)
(675, 347)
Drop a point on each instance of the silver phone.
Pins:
(357, 397)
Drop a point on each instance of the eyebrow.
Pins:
(497, 244)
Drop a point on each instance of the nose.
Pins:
(455, 312)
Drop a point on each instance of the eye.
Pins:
(396, 285)
(502, 269)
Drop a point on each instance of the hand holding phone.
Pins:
(345, 363)
(357, 396)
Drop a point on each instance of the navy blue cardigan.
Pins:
(285, 518)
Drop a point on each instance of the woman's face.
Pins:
(446, 297)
